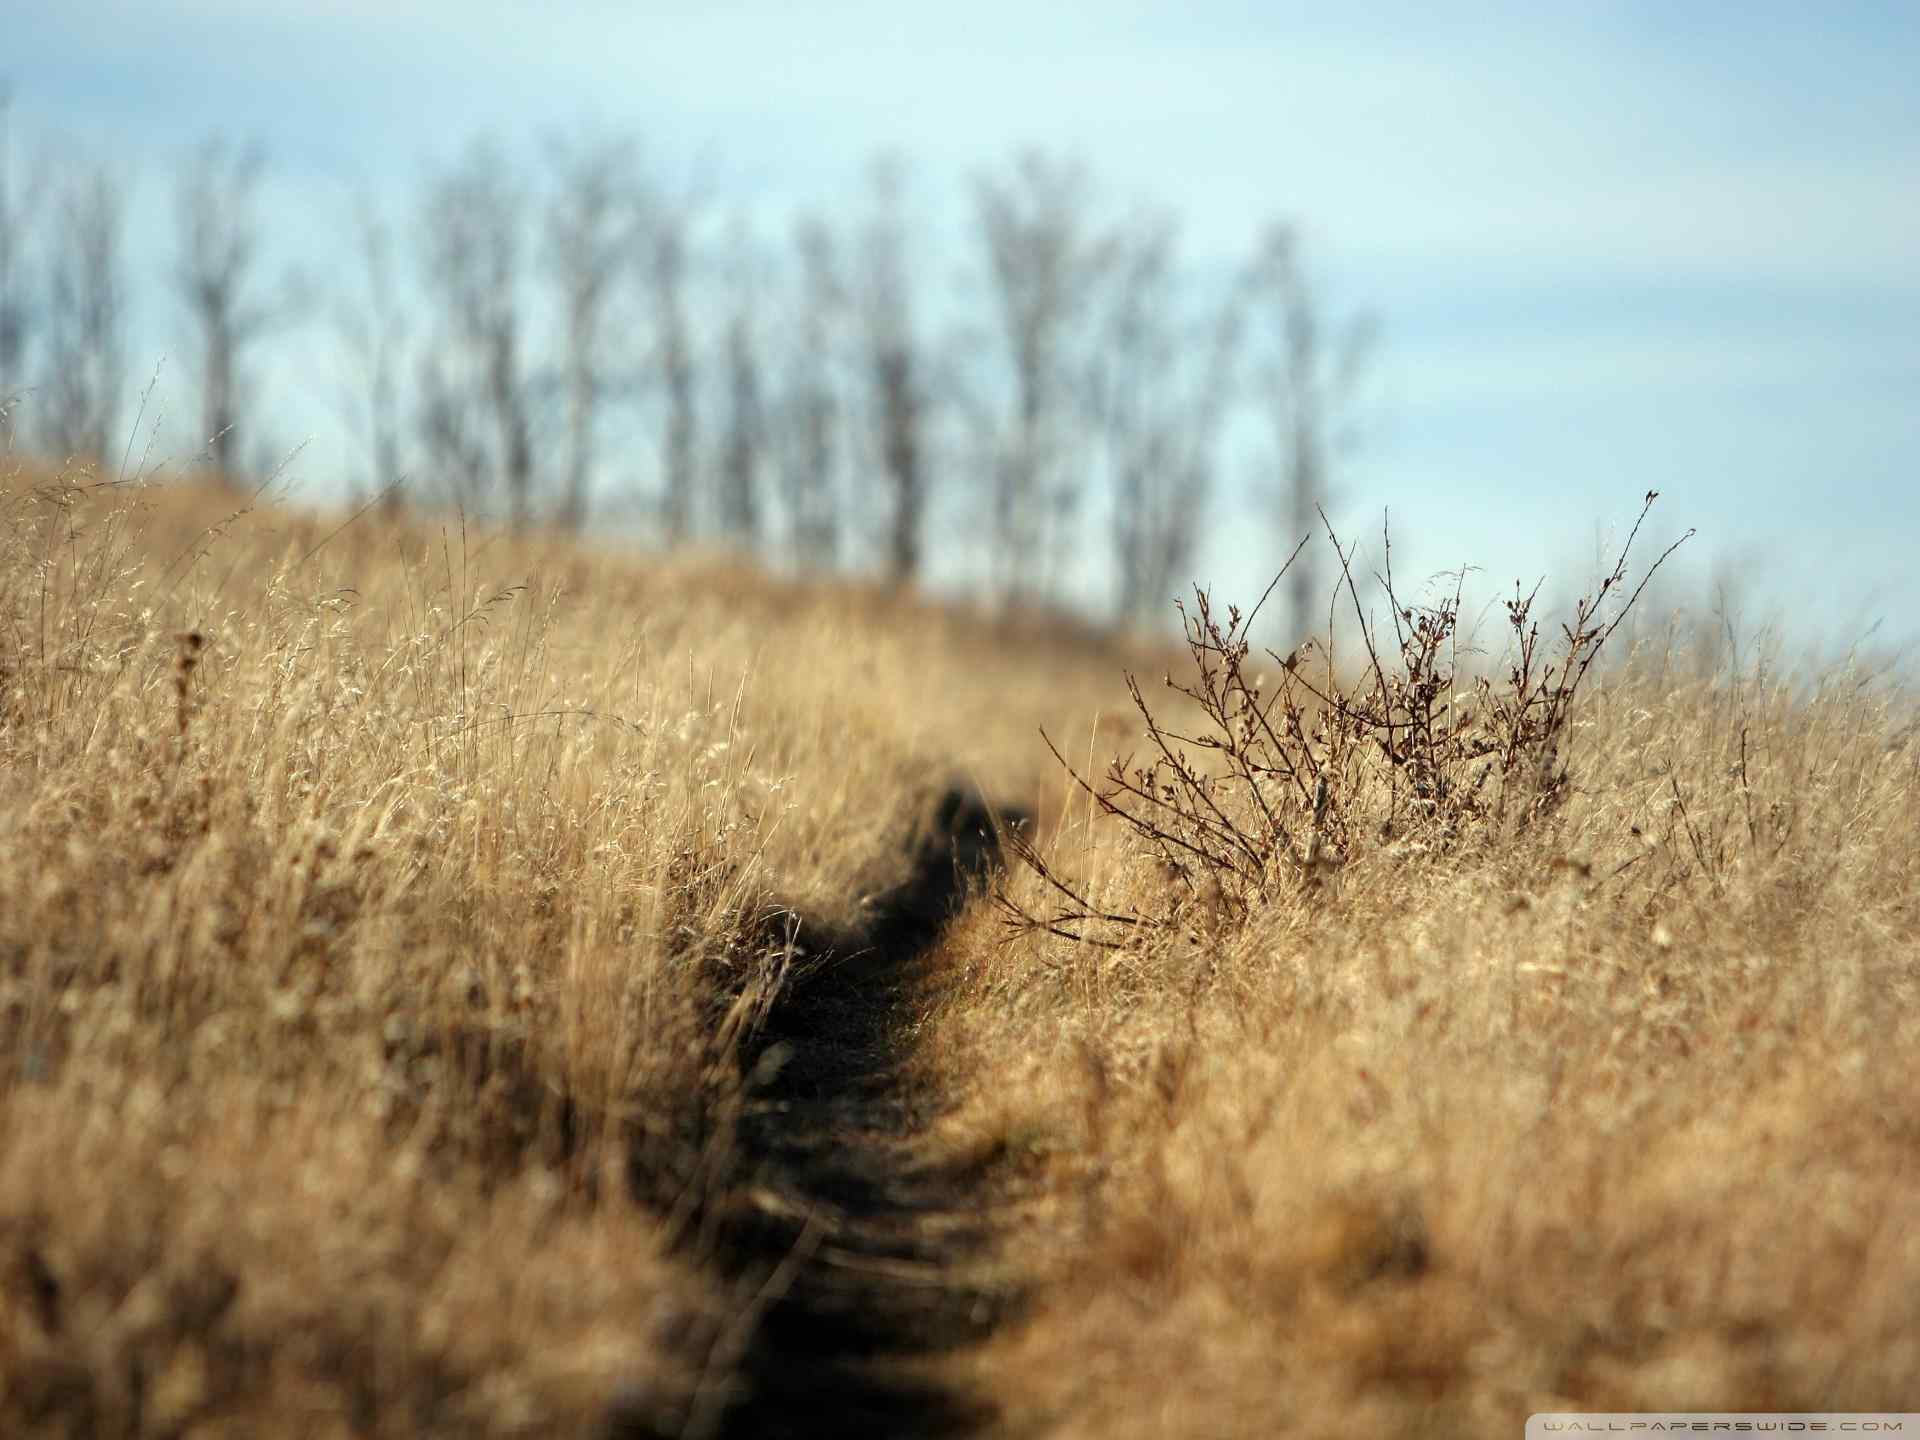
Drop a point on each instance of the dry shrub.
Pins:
(1278, 780)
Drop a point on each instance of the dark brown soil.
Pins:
(855, 1253)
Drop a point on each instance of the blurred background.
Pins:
(1050, 305)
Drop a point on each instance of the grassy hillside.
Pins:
(367, 895)
(384, 936)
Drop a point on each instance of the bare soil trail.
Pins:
(861, 1250)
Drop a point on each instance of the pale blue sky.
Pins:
(1613, 247)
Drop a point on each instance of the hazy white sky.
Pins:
(1613, 246)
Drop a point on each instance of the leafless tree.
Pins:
(475, 223)
(1162, 384)
(744, 425)
(588, 234)
(16, 214)
(84, 354)
(667, 271)
(1044, 265)
(452, 444)
(1309, 379)
(811, 457)
(895, 373)
(217, 275)
(373, 329)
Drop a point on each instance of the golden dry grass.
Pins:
(367, 897)
(1613, 1114)
(350, 956)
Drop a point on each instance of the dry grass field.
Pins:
(391, 931)
(1602, 1099)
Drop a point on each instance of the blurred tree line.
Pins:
(563, 338)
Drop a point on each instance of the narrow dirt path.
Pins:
(862, 1253)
